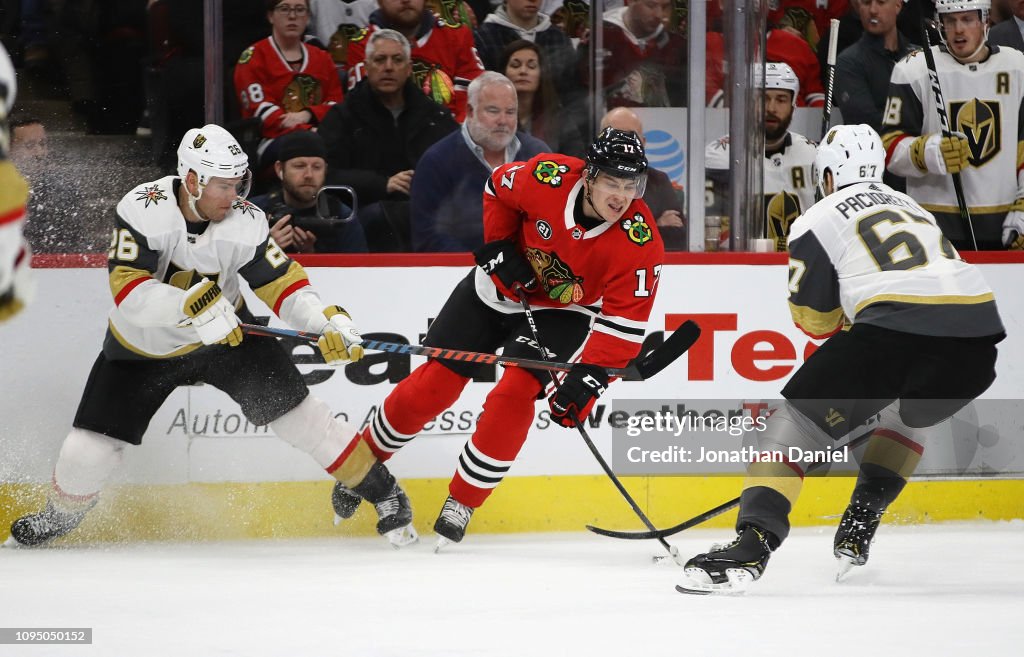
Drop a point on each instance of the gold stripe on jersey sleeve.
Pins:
(1020, 155)
(779, 477)
(121, 277)
(975, 209)
(940, 300)
(274, 292)
(13, 189)
(815, 322)
(889, 138)
(135, 350)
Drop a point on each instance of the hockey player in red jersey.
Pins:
(180, 246)
(578, 238)
(444, 59)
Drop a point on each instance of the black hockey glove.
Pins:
(503, 261)
(577, 394)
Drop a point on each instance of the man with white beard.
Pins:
(447, 188)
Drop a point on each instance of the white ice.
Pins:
(937, 590)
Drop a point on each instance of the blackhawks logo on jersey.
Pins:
(246, 55)
(302, 92)
(637, 229)
(344, 35)
(152, 194)
(557, 278)
(549, 172)
(434, 82)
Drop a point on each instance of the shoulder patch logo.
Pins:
(544, 229)
(637, 229)
(245, 206)
(361, 35)
(199, 141)
(152, 194)
(549, 172)
(246, 55)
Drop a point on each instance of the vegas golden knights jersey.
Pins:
(788, 186)
(983, 101)
(873, 255)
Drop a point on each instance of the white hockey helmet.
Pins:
(211, 151)
(954, 6)
(853, 153)
(781, 76)
(8, 84)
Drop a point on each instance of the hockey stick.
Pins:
(940, 106)
(639, 369)
(830, 62)
(672, 550)
(662, 534)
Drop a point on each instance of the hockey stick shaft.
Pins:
(661, 534)
(673, 552)
(833, 43)
(628, 373)
(940, 107)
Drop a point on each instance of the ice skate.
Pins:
(394, 512)
(731, 568)
(39, 528)
(853, 538)
(344, 501)
(451, 523)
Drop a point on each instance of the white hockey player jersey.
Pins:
(983, 101)
(788, 185)
(872, 254)
(155, 255)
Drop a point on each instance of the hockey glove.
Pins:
(340, 342)
(577, 394)
(211, 315)
(21, 290)
(940, 155)
(501, 260)
(1013, 227)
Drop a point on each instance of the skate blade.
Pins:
(402, 536)
(846, 564)
(695, 582)
(337, 519)
(11, 543)
(442, 542)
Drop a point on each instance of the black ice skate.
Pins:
(853, 538)
(36, 529)
(451, 523)
(344, 501)
(729, 568)
(394, 512)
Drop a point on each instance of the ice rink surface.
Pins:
(938, 590)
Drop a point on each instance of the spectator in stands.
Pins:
(521, 20)
(283, 82)
(295, 223)
(784, 46)
(29, 145)
(661, 196)
(1010, 32)
(540, 112)
(807, 19)
(336, 22)
(444, 59)
(377, 135)
(645, 65)
(447, 190)
(863, 69)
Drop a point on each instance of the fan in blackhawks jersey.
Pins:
(787, 158)
(15, 257)
(921, 347)
(179, 247)
(983, 88)
(575, 235)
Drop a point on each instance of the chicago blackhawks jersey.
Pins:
(612, 268)
(788, 184)
(444, 60)
(268, 87)
(155, 255)
(873, 255)
(983, 101)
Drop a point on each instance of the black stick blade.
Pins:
(668, 531)
(675, 346)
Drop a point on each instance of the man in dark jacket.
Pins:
(1010, 33)
(376, 136)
